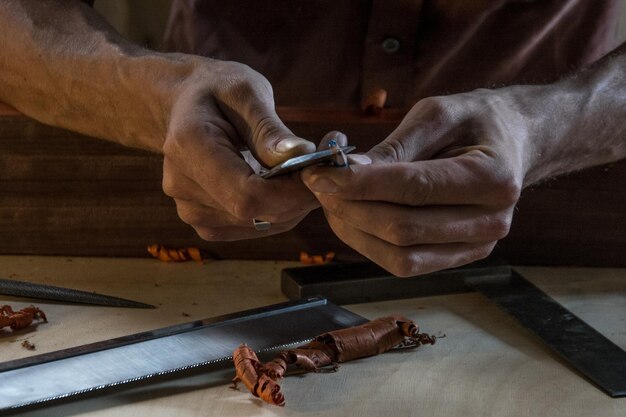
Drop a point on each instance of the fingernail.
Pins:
(324, 185)
(295, 146)
(339, 137)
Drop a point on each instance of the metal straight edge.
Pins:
(50, 292)
(587, 350)
(363, 282)
(583, 347)
(139, 357)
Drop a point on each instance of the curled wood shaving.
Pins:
(166, 254)
(252, 374)
(325, 352)
(21, 319)
(307, 259)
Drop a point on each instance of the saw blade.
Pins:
(142, 356)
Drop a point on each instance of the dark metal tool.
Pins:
(588, 351)
(49, 292)
(146, 356)
(363, 282)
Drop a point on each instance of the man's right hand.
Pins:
(221, 108)
(63, 65)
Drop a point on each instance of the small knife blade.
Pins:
(303, 161)
(50, 292)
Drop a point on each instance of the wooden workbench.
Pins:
(486, 366)
(67, 194)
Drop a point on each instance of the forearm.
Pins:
(63, 65)
(577, 122)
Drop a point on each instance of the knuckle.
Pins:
(248, 75)
(246, 207)
(236, 87)
(507, 189)
(170, 145)
(437, 110)
(180, 133)
(406, 264)
(262, 82)
(499, 227)
(190, 215)
(170, 187)
(480, 252)
(240, 81)
(421, 190)
(490, 227)
(178, 141)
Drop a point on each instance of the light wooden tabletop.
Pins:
(487, 365)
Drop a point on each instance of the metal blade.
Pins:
(146, 355)
(303, 161)
(49, 292)
(587, 350)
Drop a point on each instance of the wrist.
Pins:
(150, 85)
(535, 121)
(83, 76)
(574, 123)
(547, 114)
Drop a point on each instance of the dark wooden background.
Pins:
(66, 194)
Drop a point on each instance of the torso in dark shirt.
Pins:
(330, 53)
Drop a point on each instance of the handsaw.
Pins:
(50, 292)
(588, 351)
(148, 355)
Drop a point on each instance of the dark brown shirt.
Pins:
(330, 53)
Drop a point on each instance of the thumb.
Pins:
(272, 142)
(249, 107)
(267, 137)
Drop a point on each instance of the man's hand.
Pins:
(440, 190)
(63, 65)
(224, 107)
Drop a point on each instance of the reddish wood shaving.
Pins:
(307, 259)
(251, 373)
(175, 255)
(17, 320)
(328, 349)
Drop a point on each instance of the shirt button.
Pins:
(391, 45)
